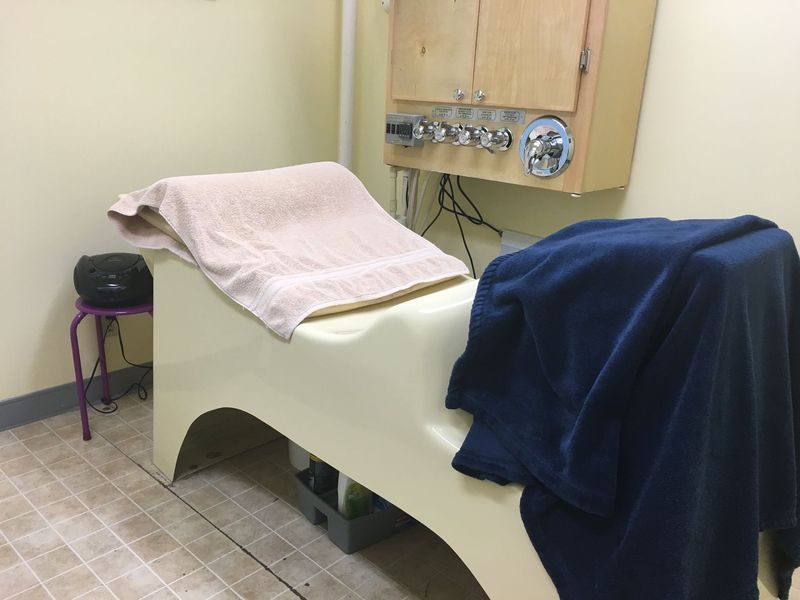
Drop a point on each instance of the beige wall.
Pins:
(99, 97)
(718, 134)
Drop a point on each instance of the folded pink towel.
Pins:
(284, 243)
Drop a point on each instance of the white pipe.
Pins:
(347, 81)
(393, 197)
(401, 193)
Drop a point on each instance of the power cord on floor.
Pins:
(141, 391)
(111, 406)
(446, 191)
(111, 403)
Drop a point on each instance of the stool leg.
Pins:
(76, 362)
(101, 349)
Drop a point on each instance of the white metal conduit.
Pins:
(347, 81)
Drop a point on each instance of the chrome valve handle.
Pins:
(546, 147)
(446, 133)
(542, 150)
(471, 136)
(425, 130)
(498, 140)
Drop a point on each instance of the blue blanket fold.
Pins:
(636, 376)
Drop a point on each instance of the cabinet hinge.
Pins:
(586, 59)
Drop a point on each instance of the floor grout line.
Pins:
(252, 469)
(41, 516)
(123, 544)
(35, 574)
(241, 547)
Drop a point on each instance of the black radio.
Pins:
(113, 280)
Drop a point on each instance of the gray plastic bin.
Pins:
(350, 535)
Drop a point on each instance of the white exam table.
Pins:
(364, 390)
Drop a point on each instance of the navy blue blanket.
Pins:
(637, 377)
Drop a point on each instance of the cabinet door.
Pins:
(433, 48)
(528, 52)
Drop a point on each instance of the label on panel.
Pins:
(511, 116)
(465, 112)
(443, 112)
(495, 115)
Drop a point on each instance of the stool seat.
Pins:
(84, 308)
(104, 311)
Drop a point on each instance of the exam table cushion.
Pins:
(285, 243)
(640, 378)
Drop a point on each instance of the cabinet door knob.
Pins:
(479, 95)
(458, 94)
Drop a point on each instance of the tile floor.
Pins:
(94, 520)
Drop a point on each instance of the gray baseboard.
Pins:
(41, 404)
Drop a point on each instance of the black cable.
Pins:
(476, 219)
(137, 385)
(441, 207)
(458, 212)
(480, 220)
(446, 191)
(109, 408)
(457, 208)
(111, 403)
(122, 349)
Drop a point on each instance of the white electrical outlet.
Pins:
(385, 5)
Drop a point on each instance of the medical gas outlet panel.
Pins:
(545, 148)
(520, 91)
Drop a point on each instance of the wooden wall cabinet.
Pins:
(528, 52)
(527, 55)
(429, 64)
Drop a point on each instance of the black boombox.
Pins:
(113, 280)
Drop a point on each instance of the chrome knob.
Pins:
(446, 133)
(543, 151)
(546, 147)
(458, 94)
(498, 140)
(479, 95)
(424, 130)
(470, 136)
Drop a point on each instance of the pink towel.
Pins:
(285, 243)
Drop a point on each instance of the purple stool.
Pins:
(98, 312)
